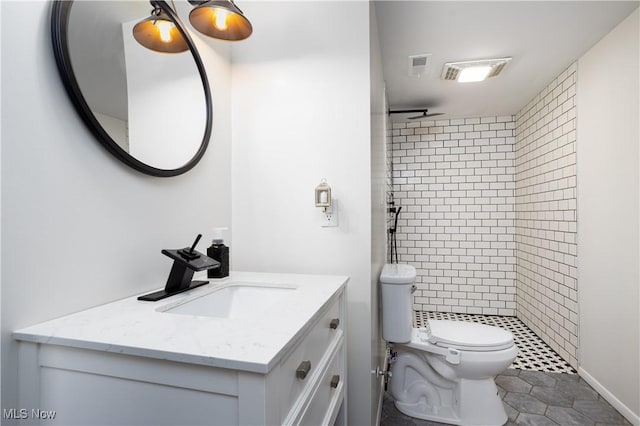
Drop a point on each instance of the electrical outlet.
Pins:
(330, 217)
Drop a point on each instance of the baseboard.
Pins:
(611, 399)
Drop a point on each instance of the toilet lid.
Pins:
(397, 273)
(468, 336)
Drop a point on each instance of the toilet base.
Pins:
(473, 403)
(421, 410)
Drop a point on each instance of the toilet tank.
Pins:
(396, 281)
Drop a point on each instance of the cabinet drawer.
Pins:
(309, 351)
(326, 401)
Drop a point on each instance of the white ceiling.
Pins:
(542, 37)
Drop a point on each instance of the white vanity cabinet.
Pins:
(303, 382)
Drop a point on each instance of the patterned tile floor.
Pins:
(539, 389)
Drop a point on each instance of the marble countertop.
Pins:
(253, 343)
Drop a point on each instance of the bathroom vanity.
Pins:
(251, 349)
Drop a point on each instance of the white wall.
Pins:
(608, 215)
(1, 352)
(379, 121)
(79, 228)
(301, 113)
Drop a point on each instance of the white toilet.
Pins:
(444, 372)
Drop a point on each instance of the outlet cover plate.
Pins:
(330, 218)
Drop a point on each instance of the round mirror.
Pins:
(151, 110)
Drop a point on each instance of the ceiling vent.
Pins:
(470, 71)
(419, 65)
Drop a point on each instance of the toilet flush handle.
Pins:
(413, 288)
(453, 356)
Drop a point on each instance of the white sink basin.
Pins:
(235, 300)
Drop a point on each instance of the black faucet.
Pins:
(186, 261)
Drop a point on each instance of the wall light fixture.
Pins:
(220, 19)
(323, 195)
(159, 33)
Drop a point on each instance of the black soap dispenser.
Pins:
(219, 252)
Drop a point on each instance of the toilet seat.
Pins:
(461, 335)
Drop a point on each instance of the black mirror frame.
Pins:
(59, 25)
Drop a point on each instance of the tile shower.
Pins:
(547, 298)
(489, 213)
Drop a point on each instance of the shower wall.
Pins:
(545, 195)
(455, 182)
(489, 213)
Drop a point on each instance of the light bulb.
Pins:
(164, 30)
(473, 74)
(220, 19)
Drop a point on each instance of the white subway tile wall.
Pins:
(455, 182)
(545, 195)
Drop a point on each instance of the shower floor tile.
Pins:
(533, 353)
